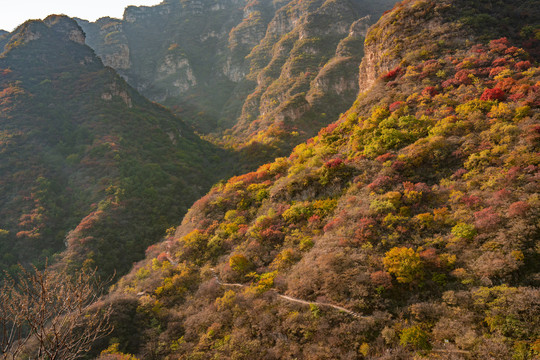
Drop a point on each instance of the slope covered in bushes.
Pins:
(417, 209)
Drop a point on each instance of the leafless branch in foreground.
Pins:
(50, 315)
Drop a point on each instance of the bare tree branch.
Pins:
(50, 315)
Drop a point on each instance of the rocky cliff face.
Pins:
(108, 40)
(246, 35)
(415, 24)
(391, 39)
(178, 53)
(242, 65)
(334, 78)
(305, 78)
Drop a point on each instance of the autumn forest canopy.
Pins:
(291, 179)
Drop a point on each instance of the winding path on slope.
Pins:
(304, 302)
(292, 299)
(281, 296)
(352, 313)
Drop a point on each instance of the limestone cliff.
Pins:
(306, 72)
(108, 40)
(391, 39)
(247, 71)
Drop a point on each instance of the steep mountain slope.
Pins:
(417, 212)
(78, 143)
(273, 71)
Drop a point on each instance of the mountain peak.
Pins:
(66, 25)
(75, 124)
(57, 26)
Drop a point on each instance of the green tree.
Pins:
(405, 264)
(240, 263)
(416, 337)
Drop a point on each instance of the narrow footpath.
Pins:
(339, 308)
(295, 300)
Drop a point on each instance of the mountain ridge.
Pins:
(78, 140)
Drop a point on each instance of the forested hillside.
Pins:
(86, 162)
(416, 213)
(262, 76)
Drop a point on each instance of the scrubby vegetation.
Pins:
(408, 228)
(417, 209)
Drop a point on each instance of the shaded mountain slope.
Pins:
(78, 143)
(3, 37)
(265, 74)
(417, 209)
